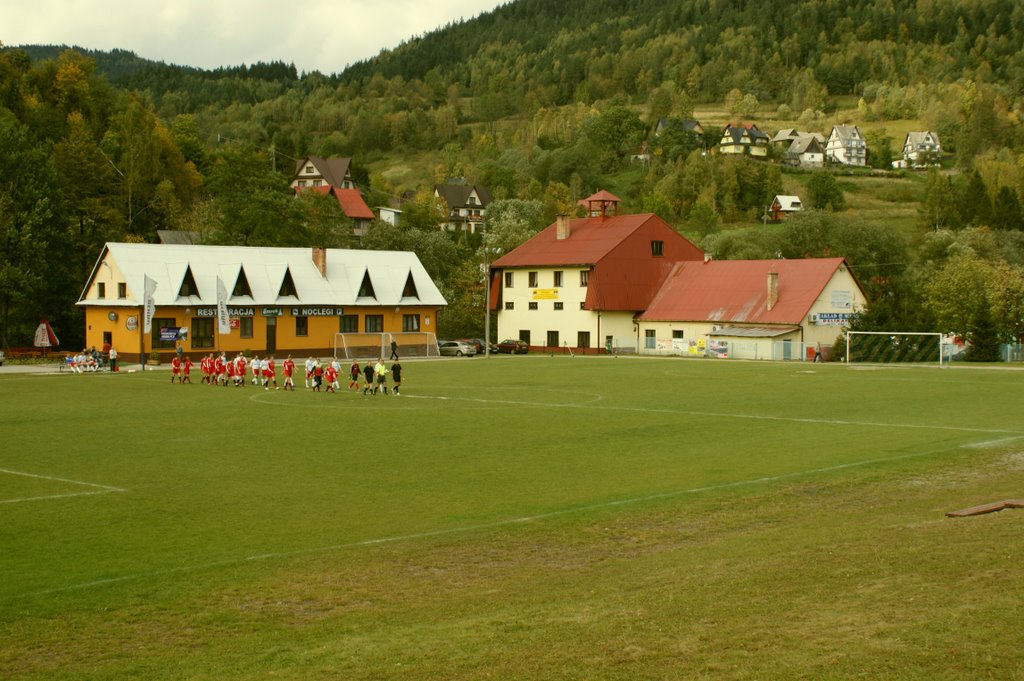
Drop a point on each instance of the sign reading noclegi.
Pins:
(317, 311)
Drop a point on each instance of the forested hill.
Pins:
(584, 50)
(716, 45)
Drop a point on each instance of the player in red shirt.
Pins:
(220, 369)
(330, 375)
(175, 369)
(186, 369)
(240, 367)
(288, 366)
(269, 374)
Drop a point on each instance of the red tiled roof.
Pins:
(352, 203)
(737, 291)
(625, 274)
(602, 195)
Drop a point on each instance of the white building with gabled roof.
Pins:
(279, 300)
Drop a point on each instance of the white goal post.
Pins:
(886, 347)
(376, 345)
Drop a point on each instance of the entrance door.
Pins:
(787, 349)
(271, 335)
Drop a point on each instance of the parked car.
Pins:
(456, 349)
(479, 344)
(513, 346)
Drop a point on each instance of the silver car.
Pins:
(456, 349)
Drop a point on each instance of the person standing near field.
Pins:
(396, 378)
(288, 366)
(331, 376)
(381, 372)
(176, 369)
(394, 349)
(310, 365)
(353, 374)
(367, 378)
(186, 369)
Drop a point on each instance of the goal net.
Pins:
(887, 347)
(374, 345)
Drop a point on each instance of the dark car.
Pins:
(513, 346)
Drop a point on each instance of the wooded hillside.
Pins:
(542, 103)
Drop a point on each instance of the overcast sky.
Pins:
(315, 35)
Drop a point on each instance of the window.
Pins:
(533, 305)
(510, 306)
(302, 326)
(366, 288)
(657, 248)
(650, 339)
(202, 332)
(558, 278)
(288, 285)
(163, 323)
(373, 323)
(309, 170)
(559, 306)
(410, 322)
(188, 284)
(101, 290)
(583, 339)
(533, 280)
(348, 323)
(509, 279)
(583, 305)
(241, 285)
(584, 278)
(245, 327)
(552, 339)
(409, 291)
(122, 290)
(678, 334)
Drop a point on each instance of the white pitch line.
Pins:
(100, 489)
(756, 417)
(471, 528)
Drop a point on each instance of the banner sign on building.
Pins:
(842, 300)
(232, 312)
(317, 311)
(149, 288)
(272, 312)
(223, 320)
(833, 319)
(173, 333)
(545, 294)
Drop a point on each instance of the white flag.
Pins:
(223, 323)
(150, 304)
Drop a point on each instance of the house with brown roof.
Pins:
(846, 145)
(581, 282)
(466, 205)
(920, 149)
(751, 309)
(316, 171)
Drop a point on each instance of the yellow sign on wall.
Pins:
(545, 294)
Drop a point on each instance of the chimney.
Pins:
(707, 258)
(562, 228)
(773, 289)
(320, 260)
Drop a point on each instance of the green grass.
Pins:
(527, 517)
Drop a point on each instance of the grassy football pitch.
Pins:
(516, 518)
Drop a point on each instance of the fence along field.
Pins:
(501, 509)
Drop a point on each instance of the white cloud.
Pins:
(324, 35)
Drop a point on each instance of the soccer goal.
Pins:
(374, 345)
(886, 347)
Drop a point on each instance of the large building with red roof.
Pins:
(581, 282)
(613, 282)
(752, 309)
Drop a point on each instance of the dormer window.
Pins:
(366, 288)
(188, 285)
(288, 286)
(657, 248)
